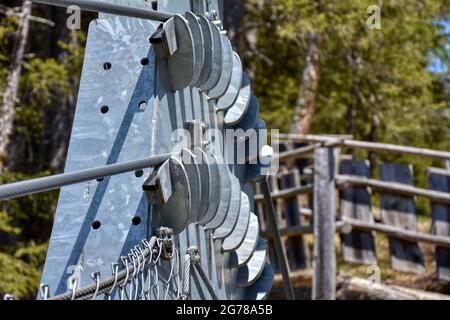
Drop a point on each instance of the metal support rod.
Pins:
(28, 187)
(205, 280)
(279, 252)
(111, 8)
(106, 284)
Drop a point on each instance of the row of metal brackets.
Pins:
(141, 82)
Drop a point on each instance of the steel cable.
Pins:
(187, 274)
(28, 187)
(111, 8)
(105, 285)
(205, 280)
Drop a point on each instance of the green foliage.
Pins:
(380, 72)
(17, 277)
(388, 67)
(45, 83)
(24, 228)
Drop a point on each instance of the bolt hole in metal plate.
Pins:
(239, 108)
(214, 197)
(199, 50)
(217, 59)
(245, 250)
(225, 197)
(231, 94)
(234, 240)
(176, 212)
(232, 216)
(250, 272)
(227, 68)
(205, 27)
(181, 59)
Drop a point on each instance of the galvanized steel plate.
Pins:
(205, 26)
(199, 49)
(250, 272)
(182, 62)
(176, 213)
(233, 210)
(248, 246)
(216, 184)
(217, 59)
(193, 172)
(227, 68)
(235, 239)
(111, 124)
(205, 180)
(230, 96)
(261, 288)
(225, 196)
(250, 118)
(239, 108)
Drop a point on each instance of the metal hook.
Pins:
(43, 290)
(144, 265)
(155, 281)
(144, 260)
(138, 270)
(146, 244)
(133, 256)
(133, 259)
(96, 277)
(74, 284)
(122, 286)
(158, 241)
(115, 271)
(148, 287)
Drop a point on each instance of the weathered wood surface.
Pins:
(400, 211)
(355, 203)
(324, 256)
(398, 232)
(344, 181)
(439, 179)
(342, 227)
(346, 141)
(287, 193)
(296, 247)
(357, 288)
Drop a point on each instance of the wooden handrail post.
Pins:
(324, 212)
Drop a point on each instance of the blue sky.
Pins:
(436, 64)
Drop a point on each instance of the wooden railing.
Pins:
(316, 182)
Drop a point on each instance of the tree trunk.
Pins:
(374, 126)
(306, 101)
(12, 86)
(63, 120)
